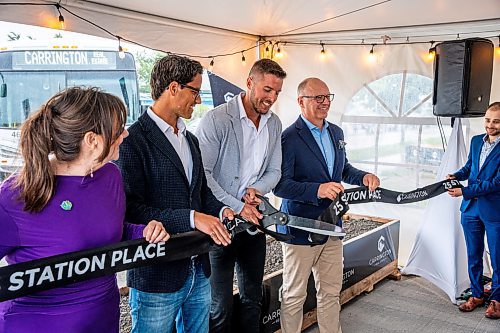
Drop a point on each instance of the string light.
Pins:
(279, 54)
(61, 18)
(243, 60)
(371, 55)
(211, 66)
(432, 51)
(121, 53)
(322, 53)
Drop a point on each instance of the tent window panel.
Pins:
(368, 167)
(388, 90)
(365, 103)
(360, 140)
(389, 126)
(396, 177)
(417, 96)
(394, 141)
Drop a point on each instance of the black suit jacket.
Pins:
(157, 188)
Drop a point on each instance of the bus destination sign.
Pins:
(63, 60)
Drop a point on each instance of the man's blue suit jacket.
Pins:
(483, 190)
(304, 169)
(157, 188)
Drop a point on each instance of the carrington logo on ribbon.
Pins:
(413, 195)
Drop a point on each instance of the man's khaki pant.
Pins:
(325, 261)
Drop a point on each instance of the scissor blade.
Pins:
(315, 226)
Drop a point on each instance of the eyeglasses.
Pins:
(321, 98)
(193, 89)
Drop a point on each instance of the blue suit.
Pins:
(480, 213)
(304, 169)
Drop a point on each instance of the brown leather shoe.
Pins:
(471, 304)
(493, 310)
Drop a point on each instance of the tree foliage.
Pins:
(144, 63)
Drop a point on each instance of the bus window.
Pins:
(120, 83)
(25, 93)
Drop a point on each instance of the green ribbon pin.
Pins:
(66, 205)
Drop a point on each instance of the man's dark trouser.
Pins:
(248, 253)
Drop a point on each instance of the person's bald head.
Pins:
(314, 99)
(311, 83)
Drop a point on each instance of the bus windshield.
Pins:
(27, 91)
(29, 77)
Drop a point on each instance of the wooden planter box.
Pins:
(368, 259)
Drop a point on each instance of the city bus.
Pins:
(30, 76)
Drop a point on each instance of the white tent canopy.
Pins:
(209, 28)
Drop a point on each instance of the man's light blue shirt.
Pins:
(486, 149)
(324, 141)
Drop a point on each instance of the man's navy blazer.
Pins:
(157, 188)
(483, 186)
(304, 169)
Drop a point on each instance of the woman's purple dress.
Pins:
(95, 219)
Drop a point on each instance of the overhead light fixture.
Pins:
(322, 53)
(211, 66)
(498, 47)
(279, 54)
(61, 18)
(121, 53)
(432, 52)
(243, 60)
(371, 55)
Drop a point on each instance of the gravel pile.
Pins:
(274, 261)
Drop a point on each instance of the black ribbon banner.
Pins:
(362, 194)
(56, 271)
(42, 274)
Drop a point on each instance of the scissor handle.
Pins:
(265, 206)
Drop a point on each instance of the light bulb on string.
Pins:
(497, 49)
(322, 53)
(211, 66)
(278, 54)
(432, 52)
(371, 55)
(61, 18)
(243, 60)
(267, 51)
(121, 53)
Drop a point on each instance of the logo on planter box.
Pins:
(385, 252)
(381, 243)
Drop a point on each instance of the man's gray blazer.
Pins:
(221, 141)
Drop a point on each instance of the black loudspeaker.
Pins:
(463, 71)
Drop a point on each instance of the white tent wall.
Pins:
(346, 69)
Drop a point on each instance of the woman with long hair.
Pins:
(68, 197)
